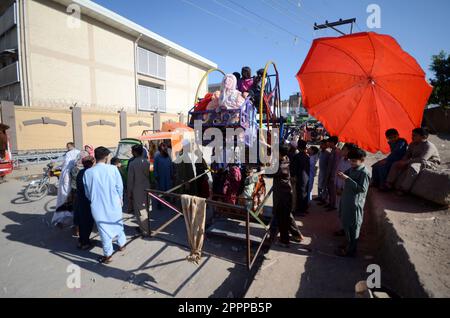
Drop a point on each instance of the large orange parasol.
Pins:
(362, 84)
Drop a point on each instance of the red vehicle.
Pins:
(6, 160)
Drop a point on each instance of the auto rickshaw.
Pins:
(171, 133)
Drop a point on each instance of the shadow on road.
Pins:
(36, 230)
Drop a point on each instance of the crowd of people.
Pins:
(92, 187)
(235, 90)
(343, 181)
(343, 185)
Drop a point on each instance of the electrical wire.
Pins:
(269, 21)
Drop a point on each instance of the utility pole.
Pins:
(333, 25)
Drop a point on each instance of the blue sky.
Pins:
(231, 36)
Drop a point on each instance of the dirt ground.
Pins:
(423, 229)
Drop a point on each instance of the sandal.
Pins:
(121, 249)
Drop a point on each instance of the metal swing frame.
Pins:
(249, 217)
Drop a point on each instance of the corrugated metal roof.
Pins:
(115, 20)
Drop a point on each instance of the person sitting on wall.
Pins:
(421, 154)
(380, 170)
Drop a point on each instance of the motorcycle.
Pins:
(38, 189)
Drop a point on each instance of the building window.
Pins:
(152, 64)
(151, 98)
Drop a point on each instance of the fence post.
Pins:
(182, 118)
(9, 118)
(123, 124)
(77, 125)
(157, 121)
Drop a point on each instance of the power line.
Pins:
(300, 5)
(241, 14)
(270, 22)
(283, 11)
(265, 36)
(220, 17)
(210, 13)
(357, 26)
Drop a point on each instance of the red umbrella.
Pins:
(362, 84)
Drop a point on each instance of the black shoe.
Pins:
(297, 239)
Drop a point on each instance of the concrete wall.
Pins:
(137, 124)
(101, 129)
(36, 129)
(33, 135)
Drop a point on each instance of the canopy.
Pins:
(362, 84)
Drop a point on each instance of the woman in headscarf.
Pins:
(73, 184)
(89, 149)
(83, 207)
(230, 97)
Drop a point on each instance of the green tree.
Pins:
(440, 65)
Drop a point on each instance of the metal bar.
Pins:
(167, 204)
(249, 245)
(258, 249)
(333, 24)
(162, 227)
(189, 181)
(255, 216)
(211, 202)
(337, 30)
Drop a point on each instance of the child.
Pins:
(324, 157)
(313, 153)
(251, 179)
(232, 183)
(342, 166)
(301, 170)
(332, 143)
(282, 203)
(116, 162)
(83, 207)
(353, 198)
(245, 83)
(380, 170)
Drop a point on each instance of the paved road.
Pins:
(34, 259)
